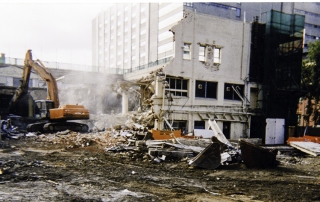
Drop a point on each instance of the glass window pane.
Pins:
(178, 86)
(185, 85)
(200, 89)
(172, 83)
(216, 55)
(211, 90)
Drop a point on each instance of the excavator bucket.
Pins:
(209, 158)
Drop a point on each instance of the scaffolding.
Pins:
(276, 60)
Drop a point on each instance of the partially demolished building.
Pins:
(205, 80)
(224, 70)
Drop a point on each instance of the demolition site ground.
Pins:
(32, 169)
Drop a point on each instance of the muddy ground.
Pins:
(36, 170)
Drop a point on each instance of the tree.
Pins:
(311, 76)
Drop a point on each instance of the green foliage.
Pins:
(314, 52)
(307, 72)
(310, 75)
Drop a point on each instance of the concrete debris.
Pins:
(133, 140)
(311, 148)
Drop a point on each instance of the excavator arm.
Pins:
(52, 87)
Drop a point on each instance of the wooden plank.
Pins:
(307, 147)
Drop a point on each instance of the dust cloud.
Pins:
(95, 92)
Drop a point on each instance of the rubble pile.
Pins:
(103, 122)
(128, 136)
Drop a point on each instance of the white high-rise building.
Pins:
(128, 36)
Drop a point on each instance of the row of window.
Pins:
(312, 25)
(16, 82)
(204, 89)
(306, 13)
(206, 53)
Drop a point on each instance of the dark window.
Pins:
(199, 125)
(238, 12)
(177, 87)
(16, 82)
(178, 125)
(231, 91)
(206, 89)
(226, 129)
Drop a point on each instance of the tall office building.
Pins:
(311, 11)
(127, 37)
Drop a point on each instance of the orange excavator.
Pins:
(45, 115)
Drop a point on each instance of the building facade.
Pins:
(132, 35)
(128, 36)
(206, 79)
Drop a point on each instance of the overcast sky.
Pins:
(55, 31)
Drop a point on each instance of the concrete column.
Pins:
(124, 103)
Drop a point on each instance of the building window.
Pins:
(189, 4)
(210, 54)
(143, 54)
(177, 87)
(238, 12)
(143, 43)
(187, 51)
(232, 91)
(143, 32)
(199, 125)
(16, 82)
(177, 125)
(206, 89)
(202, 53)
(216, 54)
(143, 20)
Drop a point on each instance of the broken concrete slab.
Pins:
(169, 153)
(307, 147)
(203, 133)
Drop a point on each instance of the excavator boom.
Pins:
(46, 76)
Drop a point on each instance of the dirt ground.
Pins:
(35, 170)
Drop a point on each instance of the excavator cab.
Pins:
(43, 108)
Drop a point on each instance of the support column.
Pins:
(124, 103)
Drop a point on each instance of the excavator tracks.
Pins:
(57, 126)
